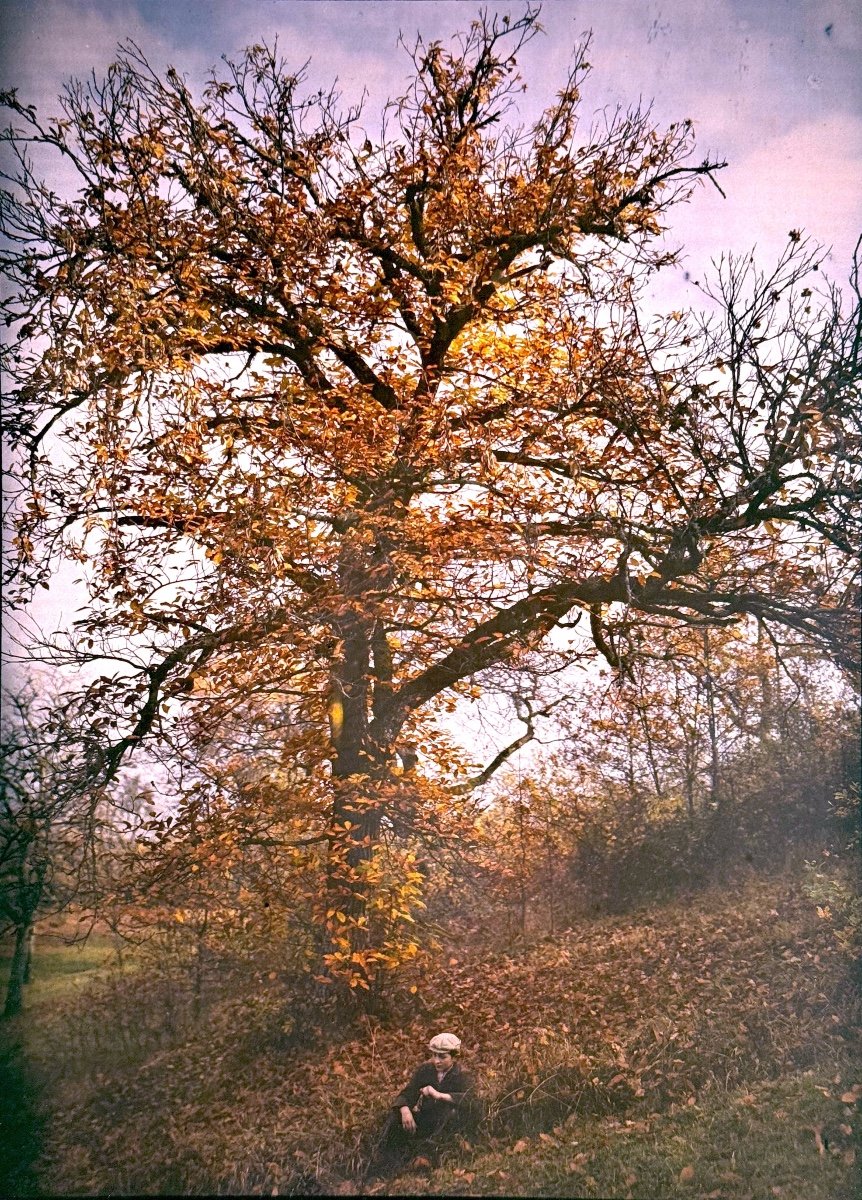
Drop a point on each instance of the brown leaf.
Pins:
(686, 1175)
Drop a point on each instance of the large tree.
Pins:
(339, 420)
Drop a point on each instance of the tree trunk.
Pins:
(651, 758)
(199, 967)
(19, 971)
(28, 961)
(355, 821)
(689, 782)
(712, 724)
(522, 847)
(767, 722)
(552, 907)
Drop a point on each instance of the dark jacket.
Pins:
(456, 1082)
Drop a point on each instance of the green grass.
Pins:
(787, 1138)
(61, 973)
(60, 970)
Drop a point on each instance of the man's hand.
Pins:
(408, 1121)
(433, 1094)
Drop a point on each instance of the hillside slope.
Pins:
(707, 1048)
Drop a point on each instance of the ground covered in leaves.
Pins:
(706, 1048)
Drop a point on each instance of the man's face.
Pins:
(442, 1059)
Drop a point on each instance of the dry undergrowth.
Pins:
(672, 1010)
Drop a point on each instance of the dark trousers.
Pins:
(396, 1146)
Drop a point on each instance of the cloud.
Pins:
(807, 178)
(773, 87)
(357, 43)
(48, 42)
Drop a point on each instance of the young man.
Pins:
(437, 1089)
(436, 1098)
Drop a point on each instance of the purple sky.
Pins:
(774, 86)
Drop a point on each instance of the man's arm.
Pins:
(460, 1086)
(407, 1098)
(409, 1094)
(435, 1095)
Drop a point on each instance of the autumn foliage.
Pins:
(719, 1035)
(344, 415)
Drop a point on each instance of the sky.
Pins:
(772, 86)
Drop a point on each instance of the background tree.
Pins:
(643, 801)
(49, 823)
(345, 419)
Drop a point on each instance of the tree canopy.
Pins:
(339, 420)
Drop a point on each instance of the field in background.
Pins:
(61, 969)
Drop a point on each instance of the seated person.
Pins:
(436, 1090)
(438, 1094)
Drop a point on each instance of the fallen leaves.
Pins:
(321, 1102)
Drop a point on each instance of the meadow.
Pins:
(707, 1047)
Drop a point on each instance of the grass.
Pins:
(60, 973)
(60, 970)
(784, 1138)
(698, 1049)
